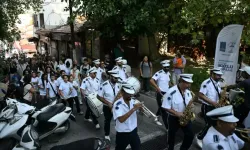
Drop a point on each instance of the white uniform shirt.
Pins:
(49, 87)
(122, 73)
(59, 81)
(99, 73)
(174, 100)
(90, 85)
(120, 108)
(42, 90)
(48, 75)
(34, 82)
(65, 88)
(208, 89)
(214, 140)
(109, 91)
(74, 91)
(162, 79)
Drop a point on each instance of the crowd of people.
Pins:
(43, 79)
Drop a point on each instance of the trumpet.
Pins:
(145, 110)
(243, 133)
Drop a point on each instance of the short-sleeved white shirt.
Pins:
(34, 82)
(27, 95)
(162, 79)
(207, 88)
(99, 73)
(120, 108)
(65, 88)
(109, 91)
(174, 100)
(59, 81)
(42, 90)
(74, 91)
(49, 87)
(214, 140)
(90, 85)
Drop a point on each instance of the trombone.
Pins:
(244, 133)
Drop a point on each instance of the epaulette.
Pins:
(234, 139)
(105, 83)
(220, 147)
(160, 71)
(97, 79)
(172, 93)
(208, 81)
(114, 68)
(216, 139)
(118, 103)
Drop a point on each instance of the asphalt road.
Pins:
(147, 129)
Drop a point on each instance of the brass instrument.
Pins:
(188, 114)
(145, 110)
(223, 101)
(243, 133)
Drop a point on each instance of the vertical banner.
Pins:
(227, 51)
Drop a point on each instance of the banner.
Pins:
(227, 51)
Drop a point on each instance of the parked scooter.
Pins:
(50, 119)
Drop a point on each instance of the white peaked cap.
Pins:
(118, 58)
(92, 70)
(128, 88)
(164, 62)
(127, 68)
(114, 73)
(247, 69)
(225, 113)
(124, 62)
(187, 77)
(97, 61)
(165, 65)
(217, 70)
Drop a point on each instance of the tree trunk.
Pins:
(153, 51)
(71, 23)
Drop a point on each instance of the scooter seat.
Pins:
(50, 112)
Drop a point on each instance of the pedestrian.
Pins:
(106, 94)
(124, 114)
(146, 71)
(118, 51)
(65, 90)
(42, 85)
(28, 90)
(161, 82)
(51, 92)
(179, 63)
(74, 97)
(34, 82)
(174, 103)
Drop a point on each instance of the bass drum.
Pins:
(95, 104)
(135, 82)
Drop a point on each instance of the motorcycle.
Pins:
(53, 118)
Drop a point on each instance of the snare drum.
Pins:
(135, 82)
(95, 104)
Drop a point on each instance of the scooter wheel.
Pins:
(66, 124)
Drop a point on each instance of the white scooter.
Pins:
(50, 119)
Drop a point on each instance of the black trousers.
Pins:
(72, 99)
(146, 84)
(123, 139)
(204, 109)
(160, 110)
(108, 116)
(173, 127)
(90, 113)
(69, 101)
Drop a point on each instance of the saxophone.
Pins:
(223, 101)
(188, 114)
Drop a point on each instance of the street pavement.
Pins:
(147, 129)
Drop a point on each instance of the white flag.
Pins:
(227, 51)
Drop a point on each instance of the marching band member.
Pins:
(174, 102)
(100, 69)
(209, 94)
(90, 85)
(107, 93)
(126, 68)
(124, 113)
(122, 73)
(116, 61)
(160, 81)
(221, 135)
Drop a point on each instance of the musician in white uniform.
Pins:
(90, 85)
(100, 70)
(220, 136)
(161, 81)
(122, 73)
(209, 94)
(174, 102)
(124, 113)
(116, 61)
(126, 68)
(107, 93)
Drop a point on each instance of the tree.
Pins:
(9, 11)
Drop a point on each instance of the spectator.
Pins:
(146, 70)
(179, 63)
(28, 90)
(118, 51)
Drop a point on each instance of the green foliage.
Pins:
(9, 11)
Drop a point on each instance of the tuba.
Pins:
(188, 114)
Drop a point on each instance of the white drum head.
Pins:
(135, 82)
(95, 104)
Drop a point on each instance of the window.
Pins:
(35, 20)
(41, 16)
